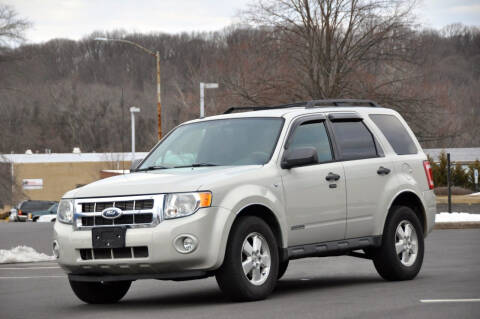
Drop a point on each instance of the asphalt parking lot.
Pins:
(342, 287)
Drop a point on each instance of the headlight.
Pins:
(184, 204)
(65, 211)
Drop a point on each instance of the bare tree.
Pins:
(12, 27)
(331, 40)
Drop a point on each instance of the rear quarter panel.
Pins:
(410, 176)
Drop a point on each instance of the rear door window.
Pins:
(395, 133)
(354, 140)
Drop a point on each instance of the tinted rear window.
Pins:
(32, 206)
(354, 140)
(395, 133)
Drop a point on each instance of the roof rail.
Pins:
(341, 102)
(306, 104)
(265, 107)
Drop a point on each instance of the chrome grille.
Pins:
(137, 211)
(123, 205)
(126, 219)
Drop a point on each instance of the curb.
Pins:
(457, 225)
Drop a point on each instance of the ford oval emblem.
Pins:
(112, 213)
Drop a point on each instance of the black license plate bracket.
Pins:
(108, 237)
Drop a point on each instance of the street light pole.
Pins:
(133, 110)
(156, 54)
(159, 97)
(204, 86)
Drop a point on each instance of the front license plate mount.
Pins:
(108, 237)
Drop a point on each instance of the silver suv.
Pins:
(239, 195)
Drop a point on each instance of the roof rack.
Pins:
(265, 107)
(306, 104)
(341, 102)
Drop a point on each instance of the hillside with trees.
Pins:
(64, 93)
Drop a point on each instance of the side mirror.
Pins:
(135, 163)
(299, 156)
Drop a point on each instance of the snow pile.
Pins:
(456, 217)
(22, 254)
(474, 194)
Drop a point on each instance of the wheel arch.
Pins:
(413, 201)
(268, 216)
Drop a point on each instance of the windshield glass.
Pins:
(245, 141)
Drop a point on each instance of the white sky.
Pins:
(75, 19)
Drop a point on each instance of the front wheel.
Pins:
(401, 255)
(250, 268)
(100, 292)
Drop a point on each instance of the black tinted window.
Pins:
(32, 206)
(395, 133)
(313, 134)
(354, 140)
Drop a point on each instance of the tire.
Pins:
(282, 268)
(405, 264)
(261, 279)
(100, 292)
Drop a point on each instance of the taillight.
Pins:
(19, 212)
(428, 172)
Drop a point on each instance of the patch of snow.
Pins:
(22, 254)
(474, 194)
(456, 217)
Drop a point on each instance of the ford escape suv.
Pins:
(239, 195)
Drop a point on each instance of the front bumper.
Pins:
(21, 218)
(209, 225)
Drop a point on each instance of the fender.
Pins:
(404, 189)
(244, 196)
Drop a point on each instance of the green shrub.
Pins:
(460, 177)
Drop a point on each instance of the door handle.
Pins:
(383, 171)
(332, 177)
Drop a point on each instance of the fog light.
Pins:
(185, 244)
(188, 244)
(56, 249)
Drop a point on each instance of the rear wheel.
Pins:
(401, 255)
(100, 292)
(250, 268)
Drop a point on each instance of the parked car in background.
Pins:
(46, 216)
(20, 214)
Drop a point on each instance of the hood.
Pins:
(159, 181)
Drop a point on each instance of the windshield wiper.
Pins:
(151, 168)
(197, 165)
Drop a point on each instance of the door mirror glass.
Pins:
(299, 156)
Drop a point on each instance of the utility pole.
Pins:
(159, 97)
(156, 54)
(204, 86)
(449, 183)
(475, 177)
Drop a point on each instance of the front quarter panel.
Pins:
(261, 187)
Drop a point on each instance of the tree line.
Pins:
(63, 94)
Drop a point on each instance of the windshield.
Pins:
(245, 141)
